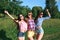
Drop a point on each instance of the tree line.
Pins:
(15, 8)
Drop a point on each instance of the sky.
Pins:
(32, 3)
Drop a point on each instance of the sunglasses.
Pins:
(41, 14)
(29, 14)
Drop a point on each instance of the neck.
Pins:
(30, 18)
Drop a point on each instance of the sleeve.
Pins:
(45, 18)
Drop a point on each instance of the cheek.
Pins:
(41, 15)
(28, 16)
(22, 17)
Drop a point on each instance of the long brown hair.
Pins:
(39, 12)
(19, 19)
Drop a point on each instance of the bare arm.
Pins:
(48, 13)
(10, 16)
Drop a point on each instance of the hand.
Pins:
(48, 13)
(47, 10)
(6, 12)
(38, 27)
(16, 21)
(25, 30)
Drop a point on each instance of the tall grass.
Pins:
(52, 29)
(8, 29)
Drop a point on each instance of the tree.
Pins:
(35, 10)
(25, 10)
(15, 6)
(51, 5)
(12, 6)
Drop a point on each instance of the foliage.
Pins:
(36, 10)
(53, 8)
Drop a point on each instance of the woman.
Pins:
(39, 21)
(31, 26)
(22, 25)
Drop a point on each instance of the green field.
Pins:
(8, 29)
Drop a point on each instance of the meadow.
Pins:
(8, 29)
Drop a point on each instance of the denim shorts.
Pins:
(40, 30)
(21, 34)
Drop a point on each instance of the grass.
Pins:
(52, 29)
(8, 29)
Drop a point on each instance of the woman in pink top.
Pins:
(31, 26)
(21, 24)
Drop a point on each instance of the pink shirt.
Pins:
(23, 26)
(31, 24)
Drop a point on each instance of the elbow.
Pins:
(49, 16)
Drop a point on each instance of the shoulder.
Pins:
(26, 19)
(19, 22)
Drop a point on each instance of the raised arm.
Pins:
(10, 16)
(48, 13)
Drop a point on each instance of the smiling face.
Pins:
(30, 15)
(21, 17)
(41, 14)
